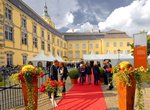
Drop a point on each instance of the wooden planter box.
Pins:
(126, 95)
(74, 81)
(35, 91)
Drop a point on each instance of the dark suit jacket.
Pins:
(53, 73)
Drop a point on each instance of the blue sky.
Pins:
(86, 15)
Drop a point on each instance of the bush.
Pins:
(101, 72)
(73, 74)
(1, 77)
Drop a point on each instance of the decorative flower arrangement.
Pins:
(124, 73)
(61, 85)
(49, 86)
(26, 77)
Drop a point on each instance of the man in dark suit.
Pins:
(54, 74)
(54, 70)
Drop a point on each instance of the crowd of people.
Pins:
(86, 70)
(58, 71)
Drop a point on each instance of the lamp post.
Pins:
(118, 55)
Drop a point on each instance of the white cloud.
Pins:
(60, 11)
(69, 17)
(86, 27)
(131, 18)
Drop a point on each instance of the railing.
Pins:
(11, 95)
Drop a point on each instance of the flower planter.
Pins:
(26, 92)
(126, 95)
(74, 81)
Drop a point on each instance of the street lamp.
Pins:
(118, 55)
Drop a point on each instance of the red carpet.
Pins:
(83, 97)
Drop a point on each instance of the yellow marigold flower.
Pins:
(27, 68)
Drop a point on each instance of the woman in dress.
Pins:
(63, 73)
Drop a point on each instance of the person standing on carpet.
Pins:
(63, 74)
(54, 74)
(82, 73)
(88, 72)
(96, 73)
(107, 72)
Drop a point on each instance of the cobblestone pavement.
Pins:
(111, 98)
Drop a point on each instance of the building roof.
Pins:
(83, 36)
(93, 36)
(31, 13)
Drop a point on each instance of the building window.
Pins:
(48, 46)
(97, 52)
(97, 46)
(84, 52)
(24, 23)
(64, 45)
(121, 44)
(34, 29)
(91, 46)
(8, 33)
(42, 35)
(53, 38)
(8, 14)
(70, 54)
(24, 59)
(77, 54)
(48, 37)
(35, 42)
(83, 46)
(9, 59)
(77, 46)
(115, 44)
(24, 38)
(107, 44)
(70, 46)
(128, 44)
(58, 52)
(42, 45)
(53, 52)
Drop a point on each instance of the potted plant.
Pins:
(50, 86)
(73, 74)
(28, 78)
(127, 80)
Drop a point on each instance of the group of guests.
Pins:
(88, 69)
(58, 71)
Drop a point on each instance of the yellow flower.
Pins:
(27, 68)
(14, 78)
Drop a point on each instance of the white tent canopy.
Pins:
(40, 57)
(59, 59)
(51, 58)
(115, 58)
(91, 56)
